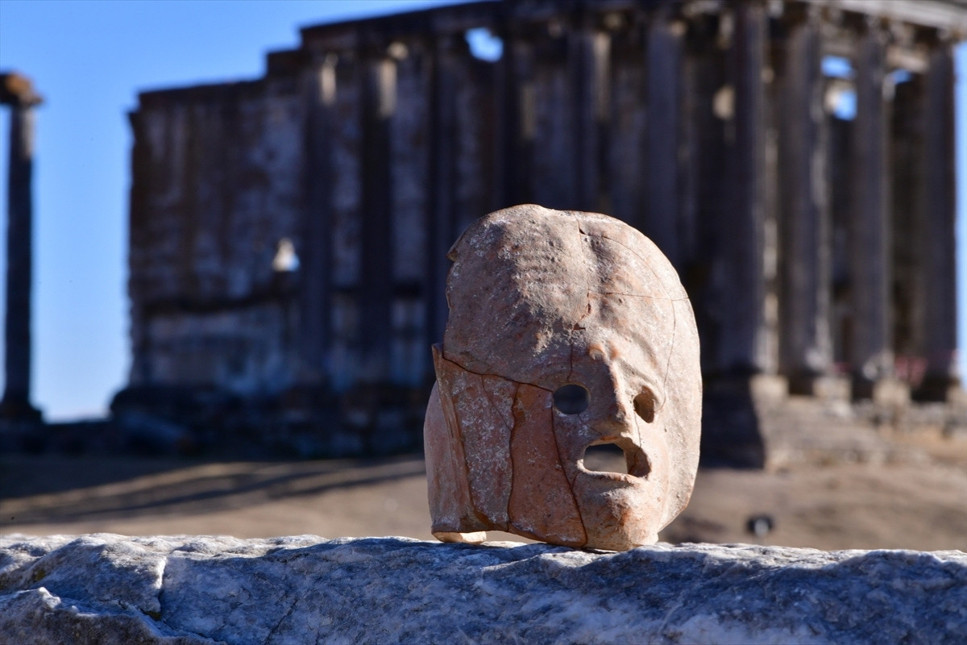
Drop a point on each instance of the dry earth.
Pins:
(916, 505)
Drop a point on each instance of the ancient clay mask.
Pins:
(566, 330)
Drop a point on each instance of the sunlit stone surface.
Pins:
(178, 590)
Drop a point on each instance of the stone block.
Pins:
(193, 589)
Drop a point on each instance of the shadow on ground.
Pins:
(913, 505)
(36, 490)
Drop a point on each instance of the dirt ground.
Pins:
(914, 505)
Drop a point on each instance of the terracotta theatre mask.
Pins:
(566, 330)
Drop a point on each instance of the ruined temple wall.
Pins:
(371, 165)
(706, 125)
(223, 188)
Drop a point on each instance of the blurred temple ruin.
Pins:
(793, 158)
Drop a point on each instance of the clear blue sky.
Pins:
(90, 59)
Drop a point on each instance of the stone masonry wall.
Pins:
(225, 189)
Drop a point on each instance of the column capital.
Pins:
(17, 90)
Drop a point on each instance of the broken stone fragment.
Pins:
(566, 330)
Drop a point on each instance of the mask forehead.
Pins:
(515, 295)
(526, 287)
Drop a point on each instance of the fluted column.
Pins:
(805, 344)
(442, 172)
(315, 254)
(376, 298)
(938, 253)
(589, 71)
(17, 92)
(871, 354)
(663, 57)
(744, 343)
(516, 103)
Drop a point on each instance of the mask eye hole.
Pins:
(571, 399)
(645, 406)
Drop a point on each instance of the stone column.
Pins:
(907, 185)
(315, 256)
(663, 62)
(704, 209)
(744, 343)
(805, 344)
(138, 239)
(871, 354)
(442, 172)
(589, 71)
(376, 296)
(937, 214)
(516, 124)
(17, 92)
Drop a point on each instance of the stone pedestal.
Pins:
(824, 387)
(732, 413)
(889, 392)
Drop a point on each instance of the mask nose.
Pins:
(616, 423)
(611, 408)
(613, 414)
(617, 417)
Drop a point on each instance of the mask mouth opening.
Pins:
(620, 457)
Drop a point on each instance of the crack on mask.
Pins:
(638, 295)
(569, 480)
(579, 325)
(668, 363)
(443, 356)
(510, 454)
(488, 396)
(570, 360)
(635, 253)
(458, 435)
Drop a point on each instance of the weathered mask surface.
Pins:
(566, 330)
